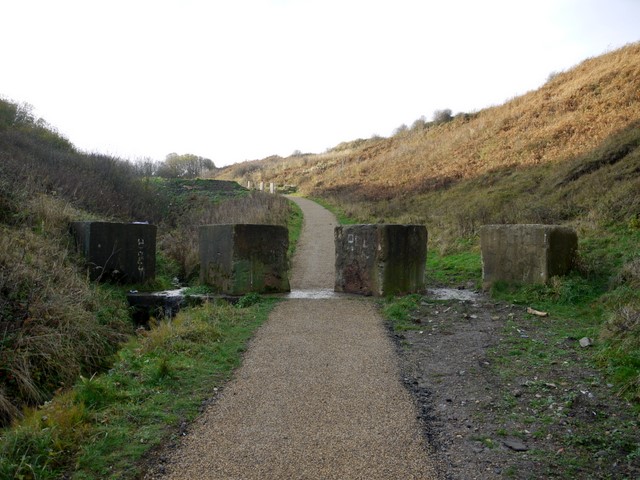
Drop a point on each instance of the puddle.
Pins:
(452, 294)
(165, 293)
(312, 294)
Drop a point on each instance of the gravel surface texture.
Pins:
(314, 261)
(319, 394)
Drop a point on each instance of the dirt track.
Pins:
(319, 394)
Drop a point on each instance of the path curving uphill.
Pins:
(314, 261)
(318, 395)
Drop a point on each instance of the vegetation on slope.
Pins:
(520, 144)
(54, 324)
(34, 158)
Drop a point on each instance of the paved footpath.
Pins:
(318, 395)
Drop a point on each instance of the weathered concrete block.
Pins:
(526, 253)
(124, 252)
(380, 259)
(238, 259)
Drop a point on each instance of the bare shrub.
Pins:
(442, 116)
(553, 75)
(623, 323)
(419, 124)
(401, 129)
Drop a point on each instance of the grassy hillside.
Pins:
(530, 147)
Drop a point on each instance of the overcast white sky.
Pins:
(244, 79)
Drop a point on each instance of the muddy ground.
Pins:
(487, 415)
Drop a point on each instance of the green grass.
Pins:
(339, 212)
(601, 302)
(198, 290)
(295, 227)
(398, 311)
(183, 191)
(106, 423)
(563, 297)
(455, 269)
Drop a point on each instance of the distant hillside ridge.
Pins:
(569, 116)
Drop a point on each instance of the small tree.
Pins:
(146, 167)
(184, 166)
(419, 124)
(401, 129)
(442, 116)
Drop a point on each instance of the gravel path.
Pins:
(319, 393)
(314, 261)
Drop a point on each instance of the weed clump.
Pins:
(248, 300)
(621, 354)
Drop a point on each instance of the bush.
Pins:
(249, 300)
(35, 158)
(401, 129)
(419, 124)
(621, 355)
(442, 116)
(629, 274)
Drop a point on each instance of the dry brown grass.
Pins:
(49, 326)
(54, 325)
(567, 117)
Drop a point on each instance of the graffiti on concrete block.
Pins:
(140, 261)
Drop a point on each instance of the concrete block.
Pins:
(526, 253)
(238, 259)
(124, 252)
(381, 259)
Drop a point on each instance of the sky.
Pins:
(238, 80)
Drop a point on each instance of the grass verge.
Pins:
(341, 215)
(399, 310)
(457, 269)
(105, 424)
(294, 224)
